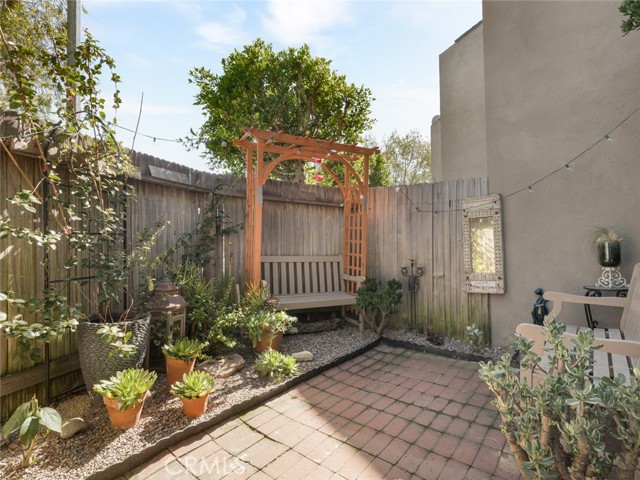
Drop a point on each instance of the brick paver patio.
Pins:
(390, 413)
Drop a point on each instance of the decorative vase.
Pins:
(194, 407)
(95, 361)
(609, 254)
(176, 369)
(267, 342)
(123, 419)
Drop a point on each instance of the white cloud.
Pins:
(304, 21)
(227, 32)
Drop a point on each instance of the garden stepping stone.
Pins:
(223, 367)
(73, 426)
(304, 356)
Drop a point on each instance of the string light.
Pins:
(565, 166)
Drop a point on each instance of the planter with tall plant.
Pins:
(80, 193)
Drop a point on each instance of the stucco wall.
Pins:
(462, 137)
(558, 76)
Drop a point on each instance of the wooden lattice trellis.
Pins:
(281, 147)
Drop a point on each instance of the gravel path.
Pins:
(102, 446)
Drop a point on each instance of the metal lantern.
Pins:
(166, 304)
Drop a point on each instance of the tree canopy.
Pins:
(408, 158)
(630, 9)
(289, 90)
(37, 29)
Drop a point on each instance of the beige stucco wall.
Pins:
(558, 76)
(436, 154)
(462, 136)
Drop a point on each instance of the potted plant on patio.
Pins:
(194, 390)
(266, 329)
(608, 244)
(124, 395)
(263, 324)
(180, 358)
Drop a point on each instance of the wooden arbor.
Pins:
(281, 147)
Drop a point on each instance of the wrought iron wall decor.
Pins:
(412, 275)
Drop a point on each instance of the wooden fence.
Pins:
(298, 220)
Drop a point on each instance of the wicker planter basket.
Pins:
(95, 362)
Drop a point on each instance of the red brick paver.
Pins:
(390, 413)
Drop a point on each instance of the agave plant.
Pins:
(128, 387)
(195, 384)
(184, 349)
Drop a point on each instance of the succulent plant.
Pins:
(184, 349)
(194, 385)
(275, 366)
(128, 386)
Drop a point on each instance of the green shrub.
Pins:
(275, 366)
(256, 324)
(28, 418)
(567, 426)
(210, 308)
(474, 336)
(376, 305)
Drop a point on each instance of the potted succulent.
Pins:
(263, 324)
(265, 329)
(180, 358)
(194, 390)
(124, 395)
(608, 244)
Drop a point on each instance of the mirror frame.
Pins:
(486, 206)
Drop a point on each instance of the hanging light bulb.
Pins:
(530, 188)
(568, 167)
(608, 138)
(20, 144)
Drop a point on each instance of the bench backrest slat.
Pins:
(299, 275)
(630, 322)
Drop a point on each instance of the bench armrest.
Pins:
(559, 298)
(354, 278)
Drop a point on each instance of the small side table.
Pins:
(596, 291)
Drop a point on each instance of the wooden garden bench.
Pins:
(620, 350)
(306, 282)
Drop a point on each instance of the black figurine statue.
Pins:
(539, 308)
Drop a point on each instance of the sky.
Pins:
(390, 46)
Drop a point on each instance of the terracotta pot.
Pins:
(123, 419)
(194, 407)
(176, 370)
(263, 344)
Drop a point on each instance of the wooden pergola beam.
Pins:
(355, 191)
(295, 140)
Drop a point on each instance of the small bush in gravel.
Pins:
(28, 418)
(474, 336)
(275, 366)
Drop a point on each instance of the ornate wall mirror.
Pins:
(482, 242)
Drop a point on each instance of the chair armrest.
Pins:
(535, 333)
(626, 348)
(558, 298)
(354, 278)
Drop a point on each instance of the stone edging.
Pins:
(471, 357)
(137, 459)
